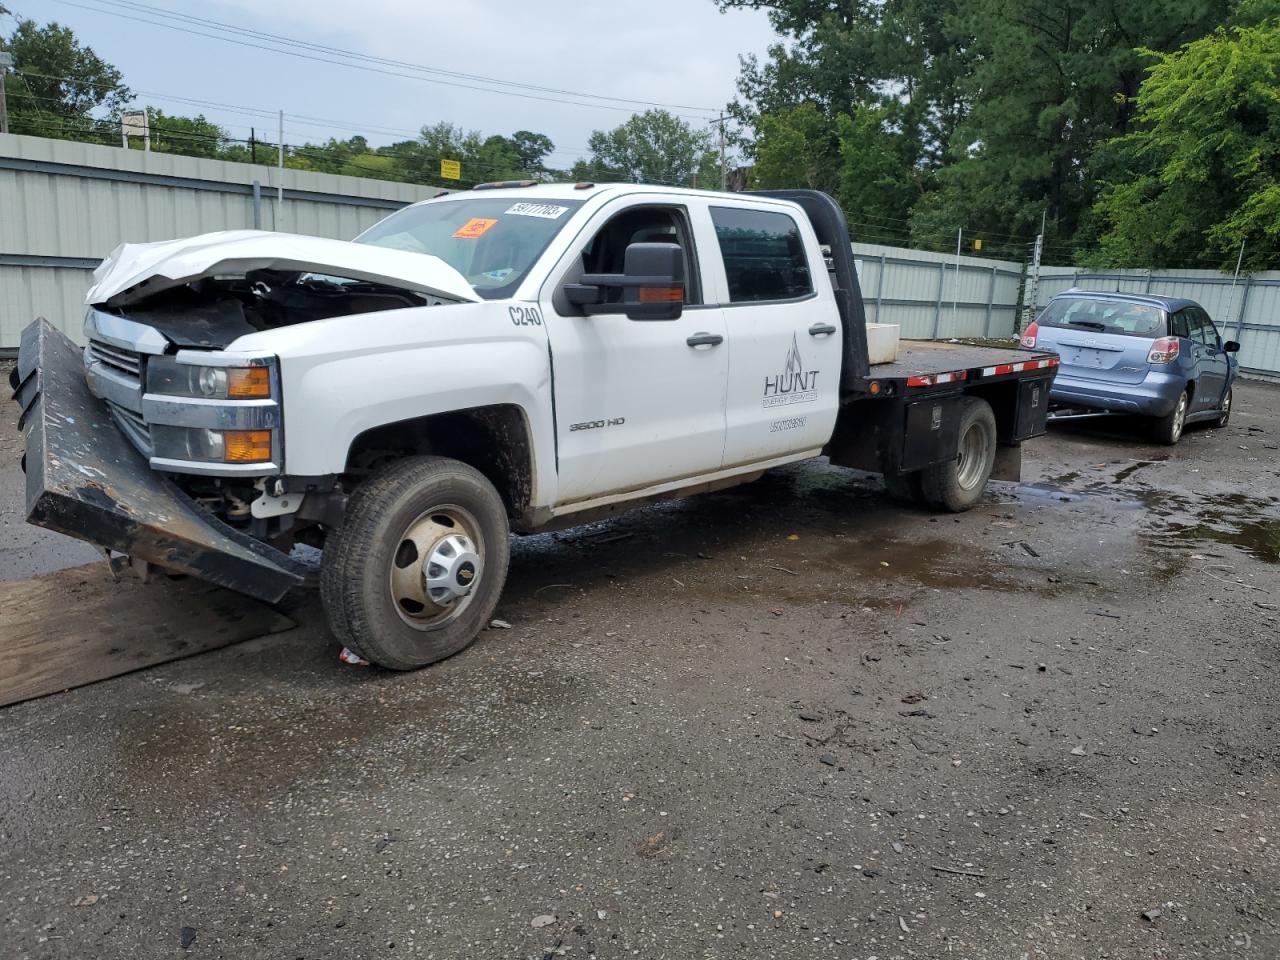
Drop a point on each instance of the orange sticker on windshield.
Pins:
(473, 229)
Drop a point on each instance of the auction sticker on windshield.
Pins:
(473, 229)
(547, 211)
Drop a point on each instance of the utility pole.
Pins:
(6, 61)
(280, 177)
(1232, 304)
(253, 145)
(724, 153)
(955, 289)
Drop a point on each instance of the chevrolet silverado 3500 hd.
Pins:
(511, 358)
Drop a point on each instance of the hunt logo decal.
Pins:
(794, 384)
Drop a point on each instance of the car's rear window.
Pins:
(1104, 316)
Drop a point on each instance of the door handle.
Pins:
(705, 340)
(821, 330)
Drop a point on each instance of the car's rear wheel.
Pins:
(958, 484)
(1168, 429)
(417, 566)
(1224, 412)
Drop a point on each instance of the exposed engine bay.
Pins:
(212, 312)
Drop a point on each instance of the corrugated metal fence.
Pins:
(1247, 310)
(64, 205)
(938, 296)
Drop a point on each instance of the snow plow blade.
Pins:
(85, 480)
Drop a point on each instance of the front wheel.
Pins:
(1224, 412)
(1168, 429)
(419, 562)
(957, 485)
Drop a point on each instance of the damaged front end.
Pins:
(88, 479)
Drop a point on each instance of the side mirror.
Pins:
(652, 285)
(1231, 346)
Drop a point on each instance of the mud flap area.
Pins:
(85, 480)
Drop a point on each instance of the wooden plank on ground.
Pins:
(78, 626)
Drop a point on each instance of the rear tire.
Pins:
(1224, 416)
(419, 563)
(1168, 429)
(958, 484)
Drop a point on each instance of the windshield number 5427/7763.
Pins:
(525, 316)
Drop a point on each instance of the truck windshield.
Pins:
(1104, 316)
(493, 242)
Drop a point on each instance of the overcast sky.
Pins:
(681, 52)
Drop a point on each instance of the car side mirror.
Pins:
(1231, 346)
(652, 285)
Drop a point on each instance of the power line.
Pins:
(138, 6)
(364, 61)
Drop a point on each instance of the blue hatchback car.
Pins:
(1158, 357)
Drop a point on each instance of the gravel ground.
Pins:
(788, 720)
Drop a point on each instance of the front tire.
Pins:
(1224, 413)
(958, 484)
(1168, 429)
(419, 563)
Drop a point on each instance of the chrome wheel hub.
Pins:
(436, 568)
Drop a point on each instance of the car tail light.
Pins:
(1165, 350)
(1029, 335)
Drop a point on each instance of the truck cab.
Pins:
(512, 358)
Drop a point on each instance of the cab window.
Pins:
(606, 252)
(764, 255)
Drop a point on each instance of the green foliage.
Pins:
(1205, 162)
(58, 87)
(190, 136)
(652, 147)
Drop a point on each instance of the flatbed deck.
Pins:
(919, 358)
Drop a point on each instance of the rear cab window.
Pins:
(1105, 316)
(764, 255)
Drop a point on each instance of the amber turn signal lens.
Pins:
(250, 382)
(661, 294)
(247, 446)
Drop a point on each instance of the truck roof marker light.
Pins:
(504, 184)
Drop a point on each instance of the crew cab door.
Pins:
(784, 332)
(637, 402)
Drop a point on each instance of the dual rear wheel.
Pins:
(955, 485)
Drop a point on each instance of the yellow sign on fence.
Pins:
(451, 169)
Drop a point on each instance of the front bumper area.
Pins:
(86, 480)
(1155, 396)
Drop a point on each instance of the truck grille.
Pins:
(122, 361)
(134, 427)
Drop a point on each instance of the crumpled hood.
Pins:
(137, 270)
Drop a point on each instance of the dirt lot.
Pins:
(790, 720)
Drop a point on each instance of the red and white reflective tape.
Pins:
(1019, 367)
(932, 379)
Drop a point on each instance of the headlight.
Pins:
(211, 446)
(167, 377)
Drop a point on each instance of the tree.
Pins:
(1051, 82)
(652, 147)
(60, 88)
(1204, 164)
(190, 136)
(531, 150)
